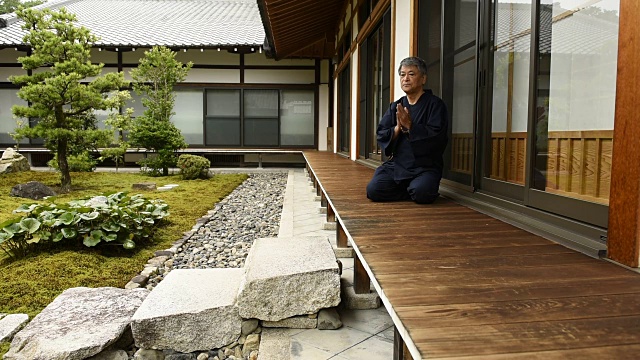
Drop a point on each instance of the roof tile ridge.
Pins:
(11, 18)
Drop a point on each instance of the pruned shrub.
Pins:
(113, 218)
(193, 166)
(82, 162)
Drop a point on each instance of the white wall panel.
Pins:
(279, 76)
(402, 39)
(323, 116)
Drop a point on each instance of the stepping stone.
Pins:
(190, 310)
(79, 323)
(286, 277)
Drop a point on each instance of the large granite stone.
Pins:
(32, 190)
(10, 324)
(79, 323)
(286, 277)
(190, 310)
(11, 161)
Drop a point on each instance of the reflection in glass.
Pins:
(261, 117)
(8, 98)
(296, 117)
(511, 43)
(576, 97)
(459, 69)
(223, 118)
(378, 72)
(188, 115)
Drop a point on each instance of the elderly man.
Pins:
(413, 134)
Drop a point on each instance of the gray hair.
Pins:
(414, 61)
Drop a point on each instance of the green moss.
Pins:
(30, 284)
(4, 347)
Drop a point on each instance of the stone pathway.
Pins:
(366, 334)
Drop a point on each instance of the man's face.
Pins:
(411, 80)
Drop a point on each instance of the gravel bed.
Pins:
(250, 212)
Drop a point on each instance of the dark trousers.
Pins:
(423, 189)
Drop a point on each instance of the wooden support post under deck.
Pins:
(341, 237)
(361, 281)
(400, 351)
(331, 217)
(323, 200)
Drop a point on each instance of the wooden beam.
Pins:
(331, 217)
(624, 205)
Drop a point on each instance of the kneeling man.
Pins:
(413, 134)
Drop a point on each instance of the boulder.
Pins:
(12, 161)
(10, 324)
(32, 190)
(286, 277)
(79, 323)
(190, 310)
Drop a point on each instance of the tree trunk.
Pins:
(63, 165)
(165, 171)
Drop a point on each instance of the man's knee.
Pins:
(373, 191)
(424, 198)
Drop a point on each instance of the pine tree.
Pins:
(63, 104)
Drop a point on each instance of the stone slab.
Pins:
(295, 322)
(329, 225)
(275, 344)
(190, 310)
(286, 277)
(341, 252)
(10, 324)
(351, 300)
(79, 323)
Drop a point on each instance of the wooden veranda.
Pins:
(461, 284)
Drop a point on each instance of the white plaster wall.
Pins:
(324, 71)
(279, 76)
(105, 57)
(213, 76)
(10, 71)
(323, 116)
(261, 59)
(402, 39)
(104, 71)
(354, 105)
(208, 57)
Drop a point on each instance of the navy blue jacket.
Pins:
(422, 148)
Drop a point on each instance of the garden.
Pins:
(30, 283)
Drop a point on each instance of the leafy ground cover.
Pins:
(30, 284)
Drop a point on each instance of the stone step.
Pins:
(190, 310)
(286, 277)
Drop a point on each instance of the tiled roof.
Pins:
(173, 23)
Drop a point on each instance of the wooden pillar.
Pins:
(323, 201)
(400, 351)
(361, 280)
(331, 217)
(624, 200)
(341, 237)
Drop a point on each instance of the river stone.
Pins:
(79, 323)
(10, 324)
(12, 161)
(190, 310)
(286, 277)
(32, 190)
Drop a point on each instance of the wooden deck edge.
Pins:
(400, 328)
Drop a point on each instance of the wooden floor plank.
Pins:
(465, 285)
